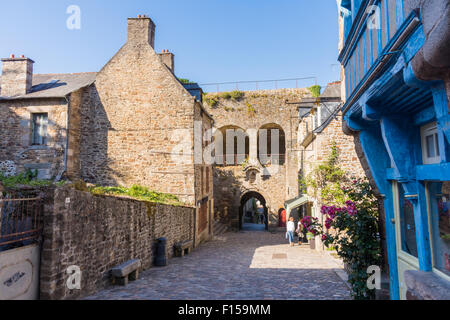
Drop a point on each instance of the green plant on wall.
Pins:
(302, 184)
(185, 81)
(245, 163)
(225, 95)
(325, 180)
(315, 91)
(213, 101)
(27, 178)
(237, 95)
(251, 109)
(137, 192)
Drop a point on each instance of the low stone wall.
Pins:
(426, 286)
(96, 233)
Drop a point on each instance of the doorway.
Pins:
(253, 212)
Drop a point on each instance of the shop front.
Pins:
(402, 126)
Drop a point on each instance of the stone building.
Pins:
(259, 157)
(319, 129)
(133, 122)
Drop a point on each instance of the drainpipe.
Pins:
(66, 147)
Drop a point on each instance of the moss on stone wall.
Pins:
(137, 192)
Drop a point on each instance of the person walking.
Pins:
(300, 232)
(290, 228)
(261, 218)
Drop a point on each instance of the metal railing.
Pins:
(20, 222)
(259, 84)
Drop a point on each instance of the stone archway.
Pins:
(244, 199)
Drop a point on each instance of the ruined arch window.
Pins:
(232, 146)
(271, 145)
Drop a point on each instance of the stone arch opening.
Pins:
(253, 212)
(271, 144)
(232, 146)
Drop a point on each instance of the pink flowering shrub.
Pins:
(312, 225)
(356, 234)
(351, 219)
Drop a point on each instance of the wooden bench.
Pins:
(183, 248)
(128, 270)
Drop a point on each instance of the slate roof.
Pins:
(55, 85)
(333, 90)
(194, 89)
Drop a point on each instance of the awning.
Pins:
(295, 203)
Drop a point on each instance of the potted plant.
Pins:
(313, 227)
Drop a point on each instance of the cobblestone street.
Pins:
(242, 266)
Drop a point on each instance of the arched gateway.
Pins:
(253, 212)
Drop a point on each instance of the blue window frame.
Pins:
(407, 224)
(439, 206)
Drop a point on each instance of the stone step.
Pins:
(219, 228)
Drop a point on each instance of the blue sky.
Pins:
(213, 40)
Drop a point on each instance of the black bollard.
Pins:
(161, 259)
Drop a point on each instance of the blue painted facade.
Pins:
(388, 106)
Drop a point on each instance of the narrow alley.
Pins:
(248, 265)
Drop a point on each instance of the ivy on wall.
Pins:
(315, 91)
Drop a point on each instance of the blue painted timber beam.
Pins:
(422, 230)
(355, 125)
(433, 172)
(441, 106)
(376, 155)
(391, 244)
(397, 138)
(369, 113)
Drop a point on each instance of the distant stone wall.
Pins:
(97, 233)
(255, 110)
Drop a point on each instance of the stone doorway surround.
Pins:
(246, 196)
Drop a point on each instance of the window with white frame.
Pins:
(39, 129)
(430, 144)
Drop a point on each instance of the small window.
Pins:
(430, 144)
(39, 129)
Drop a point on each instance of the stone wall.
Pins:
(97, 233)
(426, 286)
(253, 111)
(15, 136)
(319, 150)
(204, 187)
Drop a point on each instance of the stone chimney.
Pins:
(17, 76)
(141, 30)
(168, 58)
